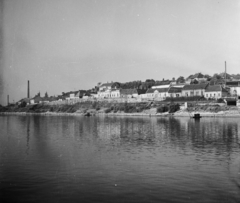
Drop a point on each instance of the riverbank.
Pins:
(154, 109)
(226, 114)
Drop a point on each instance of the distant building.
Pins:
(215, 92)
(175, 91)
(131, 93)
(234, 87)
(158, 93)
(194, 90)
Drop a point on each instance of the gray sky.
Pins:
(74, 44)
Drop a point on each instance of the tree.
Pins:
(181, 79)
(217, 76)
(194, 81)
(46, 95)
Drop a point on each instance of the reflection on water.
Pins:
(120, 159)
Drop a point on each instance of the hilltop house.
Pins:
(198, 77)
(194, 90)
(215, 91)
(115, 93)
(71, 95)
(108, 90)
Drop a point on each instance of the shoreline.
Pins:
(223, 114)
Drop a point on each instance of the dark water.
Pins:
(116, 159)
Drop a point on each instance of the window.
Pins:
(206, 95)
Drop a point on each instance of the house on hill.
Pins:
(199, 77)
(215, 81)
(215, 91)
(131, 93)
(108, 90)
(71, 95)
(24, 100)
(163, 84)
(157, 93)
(175, 91)
(194, 90)
(234, 87)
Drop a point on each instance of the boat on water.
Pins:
(196, 116)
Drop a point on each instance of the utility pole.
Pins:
(225, 72)
(28, 90)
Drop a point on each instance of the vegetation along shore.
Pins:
(148, 108)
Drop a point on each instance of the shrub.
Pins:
(94, 104)
(220, 100)
(108, 110)
(173, 108)
(162, 109)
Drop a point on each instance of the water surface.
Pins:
(119, 159)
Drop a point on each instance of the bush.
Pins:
(173, 108)
(162, 109)
(220, 100)
(108, 110)
(94, 104)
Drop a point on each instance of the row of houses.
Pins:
(161, 92)
(165, 89)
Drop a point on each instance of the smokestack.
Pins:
(28, 93)
(8, 100)
(225, 72)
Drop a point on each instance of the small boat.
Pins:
(196, 116)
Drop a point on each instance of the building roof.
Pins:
(233, 83)
(150, 90)
(214, 88)
(215, 81)
(160, 90)
(128, 91)
(163, 82)
(195, 86)
(175, 90)
(27, 100)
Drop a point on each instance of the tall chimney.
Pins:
(8, 100)
(225, 72)
(28, 93)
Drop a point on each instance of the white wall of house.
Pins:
(235, 91)
(143, 96)
(213, 95)
(115, 94)
(178, 94)
(150, 95)
(191, 93)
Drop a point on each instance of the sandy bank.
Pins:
(229, 114)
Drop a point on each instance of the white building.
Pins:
(215, 92)
(234, 87)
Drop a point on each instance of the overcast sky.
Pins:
(63, 45)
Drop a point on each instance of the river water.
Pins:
(119, 159)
